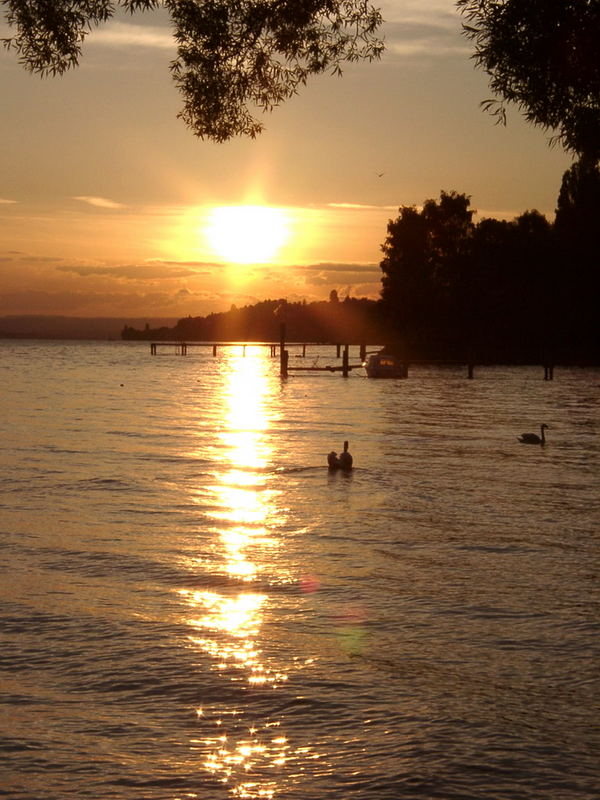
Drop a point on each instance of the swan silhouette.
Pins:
(533, 438)
(343, 461)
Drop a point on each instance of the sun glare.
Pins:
(247, 234)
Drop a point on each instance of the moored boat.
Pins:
(385, 365)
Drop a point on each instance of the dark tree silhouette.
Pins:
(232, 57)
(489, 291)
(578, 204)
(578, 241)
(494, 291)
(353, 321)
(542, 55)
(425, 254)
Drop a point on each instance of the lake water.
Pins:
(193, 606)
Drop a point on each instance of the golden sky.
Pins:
(109, 205)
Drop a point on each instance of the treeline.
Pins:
(523, 290)
(499, 291)
(351, 321)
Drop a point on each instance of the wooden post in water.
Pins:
(152, 349)
(548, 363)
(303, 351)
(283, 353)
(214, 350)
(338, 348)
(363, 352)
(470, 362)
(345, 369)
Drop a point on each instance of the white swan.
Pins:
(533, 438)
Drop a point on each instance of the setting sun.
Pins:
(247, 234)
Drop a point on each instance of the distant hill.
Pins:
(51, 327)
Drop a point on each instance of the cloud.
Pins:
(431, 46)
(16, 256)
(318, 280)
(7, 202)
(134, 272)
(96, 304)
(433, 13)
(333, 267)
(411, 28)
(416, 29)
(323, 273)
(204, 264)
(124, 34)
(99, 202)
(360, 207)
(334, 274)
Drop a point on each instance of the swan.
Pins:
(533, 438)
(345, 458)
(333, 460)
(343, 461)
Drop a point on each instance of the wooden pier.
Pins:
(181, 348)
(341, 351)
(281, 347)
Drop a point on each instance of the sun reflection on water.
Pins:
(226, 622)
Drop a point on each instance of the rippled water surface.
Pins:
(194, 607)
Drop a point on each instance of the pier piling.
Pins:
(283, 353)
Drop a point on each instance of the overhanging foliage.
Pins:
(234, 57)
(542, 55)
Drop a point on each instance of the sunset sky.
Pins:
(109, 206)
